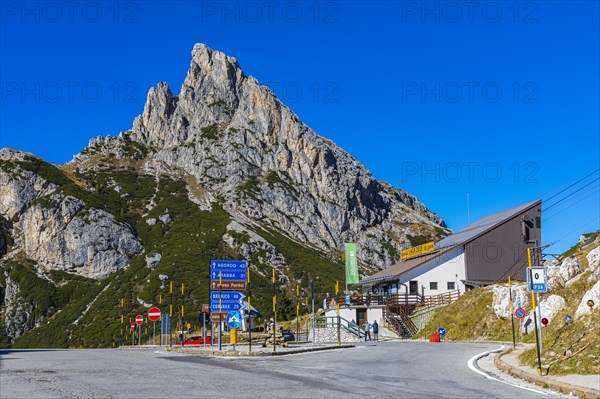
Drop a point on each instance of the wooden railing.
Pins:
(422, 302)
(434, 301)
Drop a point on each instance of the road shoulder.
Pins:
(584, 386)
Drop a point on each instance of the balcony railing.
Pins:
(419, 301)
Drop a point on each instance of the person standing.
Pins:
(367, 331)
(375, 331)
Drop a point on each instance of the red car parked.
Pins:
(197, 340)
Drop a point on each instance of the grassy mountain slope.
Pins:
(79, 312)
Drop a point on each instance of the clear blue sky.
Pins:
(499, 99)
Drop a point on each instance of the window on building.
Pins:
(451, 285)
(433, 285)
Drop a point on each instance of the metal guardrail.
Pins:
(331, 322)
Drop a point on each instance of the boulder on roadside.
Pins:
(501, 299)
(551, 306)
(559, 275)
(593, 258)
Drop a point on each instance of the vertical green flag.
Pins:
(351, 264)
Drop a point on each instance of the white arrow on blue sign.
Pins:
(226, 306)
(228, 265)
(442, 331)
(228, 276)
(234, 319)
(229, 296)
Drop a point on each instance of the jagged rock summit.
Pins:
(250, 152)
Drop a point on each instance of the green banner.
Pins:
(351, 264)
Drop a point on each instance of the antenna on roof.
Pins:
(468, 213)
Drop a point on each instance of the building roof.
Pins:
(483, 225)
(461, 237)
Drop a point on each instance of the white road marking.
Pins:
(471, 364)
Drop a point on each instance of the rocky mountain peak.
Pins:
(240, 143)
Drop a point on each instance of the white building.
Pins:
(483, 253)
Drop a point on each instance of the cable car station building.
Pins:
(433, 274)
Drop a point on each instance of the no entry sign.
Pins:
(132, 326)
(154, 314)
(139, 319)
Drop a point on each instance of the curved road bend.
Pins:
(382, 370)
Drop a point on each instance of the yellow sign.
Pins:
(416, 251)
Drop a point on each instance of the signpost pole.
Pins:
(274, 312)
(182, 318)
(153, 333)
(312, 294)
(540, 313)
(210, 287)
(537, 344)
(121, 342)
(297, 312)
(220, 306)
(160, 333)
(512, 318)
(337, 310)
(249, 314)
(170, 313)
(539, 262)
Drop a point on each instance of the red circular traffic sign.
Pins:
(132, 326)
(154, 314)
(139, 319)
(520, 313)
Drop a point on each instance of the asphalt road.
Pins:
(382, 370)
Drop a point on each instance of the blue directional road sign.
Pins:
(442, 331)
(228, 276)
(226, 296)
(228, 265)
(225, 306)
(234, 319)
